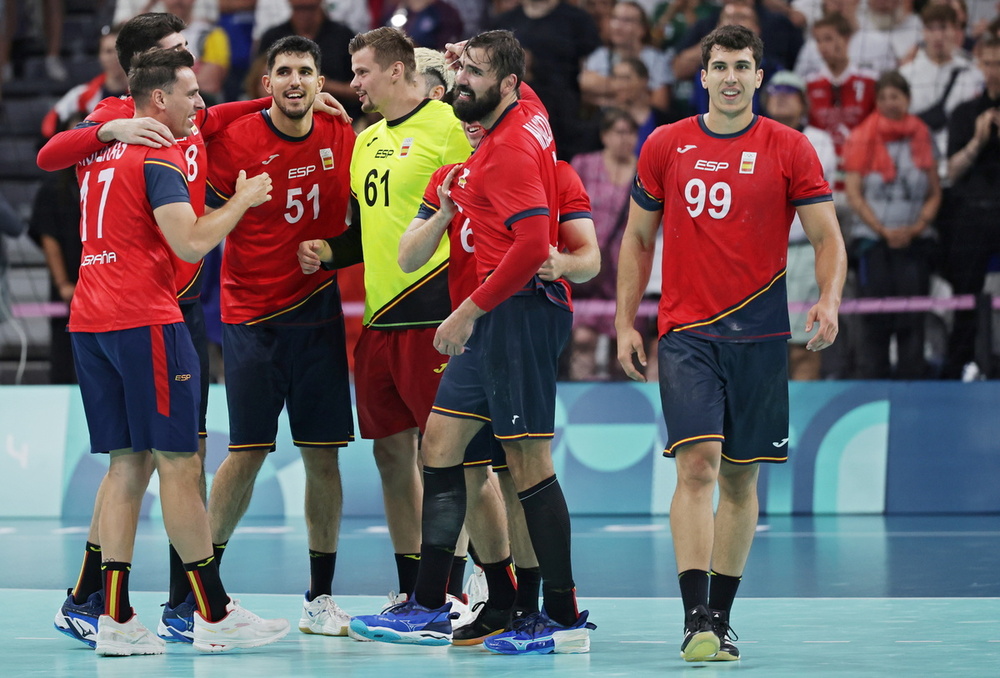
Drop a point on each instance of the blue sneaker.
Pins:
(406, 622)
(537, 634)
(177, 623)
(80, 621)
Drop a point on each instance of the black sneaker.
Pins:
(488, 621)
(728, 652)
(700, 642)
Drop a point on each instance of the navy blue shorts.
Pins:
(507, 374)
(484, 449)
(736, 393)
(140, 388)
(194, 318)
(303, 369)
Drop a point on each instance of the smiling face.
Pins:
(182, 103)
(731, 80)
(477, 90)
(293, 82)
(371, 81)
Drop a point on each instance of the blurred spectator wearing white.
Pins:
(52, 13)
(629, 36)
(896, 20)
(786, 103)
(79, 101)
(868, 49)
(940, 75)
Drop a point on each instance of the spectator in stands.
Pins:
(974, 175)
(841, 95)
(673, 18)
(210, 46)
(785, 101)
(79, 101)
(892, 185)
(600, 12)
(55, 228)
(355, 14)
(429, 23)
(11, 225)
(935, 73)
(628, 37)
(630, 86)
(309, 20)
(868, 49)
(556, 37)
(53, 12)
(607, 175)
(896, 20)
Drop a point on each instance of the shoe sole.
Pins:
(226, 645)
(125, 650)
(723, 656)
(701, 648)
(384, 635)
(576, 641)
(309, 630)
(474, 641)
(72, 633)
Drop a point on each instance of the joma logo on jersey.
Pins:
(298, 172)
(384, 152)
(710, 165)
(104, 257)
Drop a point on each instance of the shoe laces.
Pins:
(722, 629)
(530, 625)
(243, 612)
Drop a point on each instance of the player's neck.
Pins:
(490, 120)
(403, 105)
(290, 126)
(720, 123)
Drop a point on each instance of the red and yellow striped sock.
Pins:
(206, 585)
(116, 602)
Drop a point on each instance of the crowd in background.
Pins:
(899, 97)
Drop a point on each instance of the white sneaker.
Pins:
(465, 614)
(476, 589)
(240, 628)
(115, 639)
(324, 617)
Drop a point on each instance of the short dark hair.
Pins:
(892, 79)
(144, 32)
(156, 69)
(732, 39)
(293, 44)
(389, 46)
(941, 14)
(637, 65)
(837, 22)
(610, 116)
(503, 53)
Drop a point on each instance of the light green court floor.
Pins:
(801, 637)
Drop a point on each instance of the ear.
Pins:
(704, 79)
(508, 84)
(760, 78)
(159, 99)
(320, 81)
(398, 71)
(266, 81)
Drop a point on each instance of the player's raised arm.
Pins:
(421, 238)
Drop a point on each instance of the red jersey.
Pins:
(728, 202)
(261, 278)
(208, 122)
(838, 105)
(574, 203)
(510, 178)
(126, 272)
